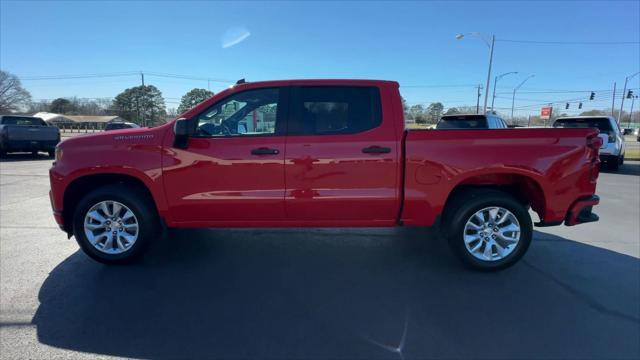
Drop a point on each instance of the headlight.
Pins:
(58, 154)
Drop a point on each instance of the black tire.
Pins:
(613, 165)
(52, 153)
(464, 205)
(138, 202)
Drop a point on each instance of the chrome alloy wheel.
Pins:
(111, 227)
(491, 234)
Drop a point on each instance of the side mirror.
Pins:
(182, 130)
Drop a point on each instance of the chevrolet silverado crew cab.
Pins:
(321, 153)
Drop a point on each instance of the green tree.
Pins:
(61, 106)
(434, 111)
(143, 105)
(452, 111)
(595, 112)
(12, 95)
(193, 98)
(417, 113)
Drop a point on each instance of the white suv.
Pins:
(612, 151)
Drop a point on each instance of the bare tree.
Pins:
(12, 94)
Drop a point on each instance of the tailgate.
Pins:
(32, 133)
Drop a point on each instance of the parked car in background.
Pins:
(322, 153)
(471, 121)
(120, 125)
(613, 148)
(27, 134)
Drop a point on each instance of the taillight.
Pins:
(595, 142)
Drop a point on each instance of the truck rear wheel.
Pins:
(487, 229)
(114, 224)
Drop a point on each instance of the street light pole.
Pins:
(490, 45)
(513, 99)
(495, 84)
(486, 92)
(623, 95)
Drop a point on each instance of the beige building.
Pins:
(78, 121)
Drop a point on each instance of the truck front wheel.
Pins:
(114, 224)
(487, 229)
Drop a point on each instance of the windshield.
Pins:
(462, 122)
(23, 121)
(602, 124)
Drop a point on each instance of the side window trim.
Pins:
(294, 98)
(282, 114)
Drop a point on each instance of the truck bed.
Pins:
(439, 161)
(29, 137)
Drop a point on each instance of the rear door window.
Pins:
(332, 110)
(602, 124)
(462, 122)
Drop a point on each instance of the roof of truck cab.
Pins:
(586, 117)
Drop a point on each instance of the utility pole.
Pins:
(613, 99)
(142, 77)
(208, 84)
(486, 93)
(478, 100)
(633, 100)
(490, 45)
(623, 95)
(624, 90)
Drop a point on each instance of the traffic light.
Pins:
(592, 96)
(566, 106)
(629, 94)
(580, 106)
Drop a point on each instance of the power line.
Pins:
(79, 76)
(571, 42)
(438, 86)
(124, 73)
(547, 91)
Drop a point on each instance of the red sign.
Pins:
(545, 113)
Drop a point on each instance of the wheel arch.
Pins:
(82, 185)
(525, 189)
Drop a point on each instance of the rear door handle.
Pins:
(376, 150)
(265, 151)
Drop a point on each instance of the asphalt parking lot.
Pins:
(317, 293)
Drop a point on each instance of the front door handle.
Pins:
(265, 151)
(376, 150)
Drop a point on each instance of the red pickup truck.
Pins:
(321, 153)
